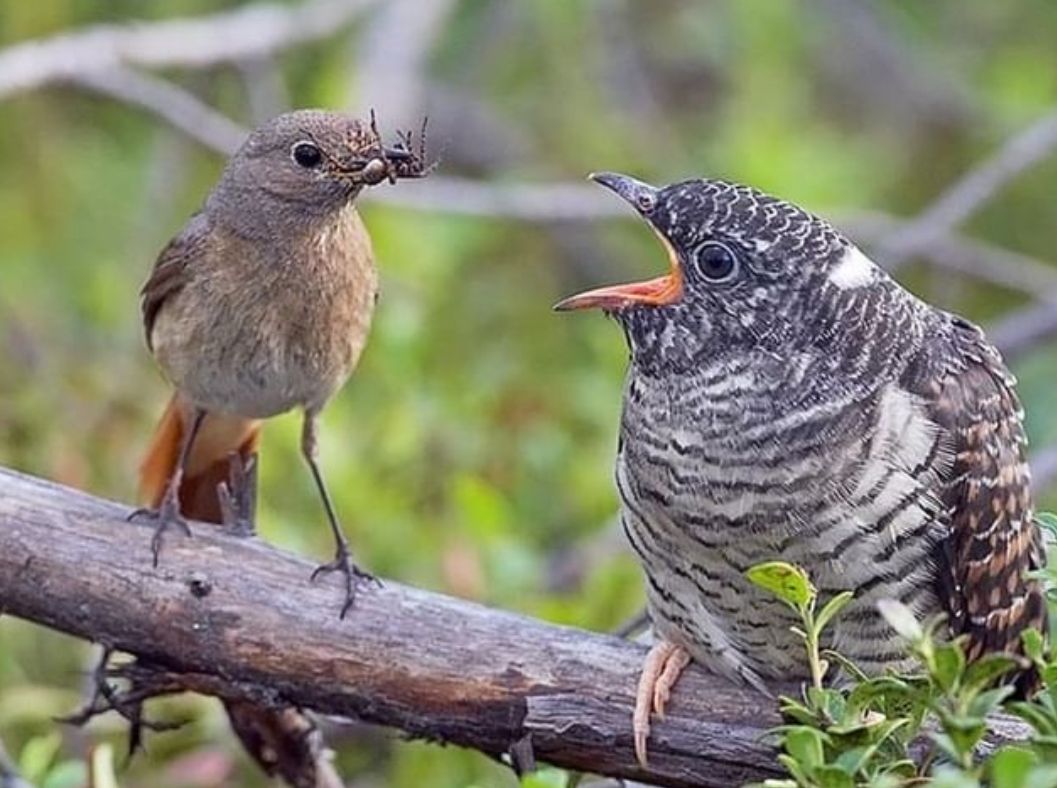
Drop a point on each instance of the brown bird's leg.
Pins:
(238, 496)
(660, 671)
(342, 558)
(168, 512)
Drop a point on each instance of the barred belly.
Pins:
(727, 476)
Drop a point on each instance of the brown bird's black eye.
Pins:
(715, 261)
(307, 154)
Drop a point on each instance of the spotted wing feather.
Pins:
(994, 543)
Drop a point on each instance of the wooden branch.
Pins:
(241, 620)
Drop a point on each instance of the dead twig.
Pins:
(226, 37)
(973, 190)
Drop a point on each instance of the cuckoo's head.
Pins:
(745, 268)
(310, 163)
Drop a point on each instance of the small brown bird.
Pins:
(261, 304)
(788, 400)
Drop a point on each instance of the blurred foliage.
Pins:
(472, 451)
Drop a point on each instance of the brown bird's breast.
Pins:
(257, 331)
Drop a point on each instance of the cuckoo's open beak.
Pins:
(663, 290)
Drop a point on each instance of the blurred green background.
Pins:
(472, 451)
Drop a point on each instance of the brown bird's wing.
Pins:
(171, 270)
(994, 541)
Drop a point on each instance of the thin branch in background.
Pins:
(265, 87)
(392, 56)
(176, 106)
(867, 55)
(973, 190)
(227, 37)
(1025, 330)
(977, 259)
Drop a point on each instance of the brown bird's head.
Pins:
(308, 163)
(745, 270)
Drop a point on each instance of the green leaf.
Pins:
(947, 667)
(901, 619)
(879, 686)
(832, 608)
(851, 761)
(1046, 746)
(1010, 766)
(787, 582)
(791, 766)
(986, 670)
(790, 707)
(832, 776)
(542, 778)
(827, 700)
(986, 702)
(1047, 520)
(964, 732)
(805, 745)
(1034, 644)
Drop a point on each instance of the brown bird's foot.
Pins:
(354, 576)
(238, 496)
(166, 515)
(660, 671)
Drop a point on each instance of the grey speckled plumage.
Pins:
(805, 407)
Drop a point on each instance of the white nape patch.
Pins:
(854, 269)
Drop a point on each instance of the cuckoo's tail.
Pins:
(219, 436)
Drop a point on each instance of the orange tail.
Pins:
(207, 466)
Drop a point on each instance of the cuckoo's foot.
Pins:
(353, 575)
(660, 671)
(165, 516)
(238, 496)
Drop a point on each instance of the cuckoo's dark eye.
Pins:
(306, 154)
(715, 261)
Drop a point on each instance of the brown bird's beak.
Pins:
(660, 291)
(397, 155)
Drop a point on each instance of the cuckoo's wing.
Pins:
(172, 270)
(994, 541)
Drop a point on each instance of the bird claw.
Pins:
(661, 669)
(165, 516)
(238, 496)
(354, 576)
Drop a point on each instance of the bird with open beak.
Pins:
(787, 400)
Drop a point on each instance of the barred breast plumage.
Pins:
(787, 400)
